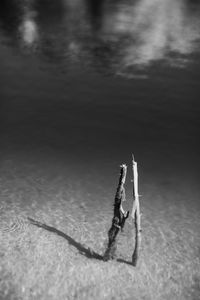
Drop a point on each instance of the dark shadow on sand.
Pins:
(82, 250)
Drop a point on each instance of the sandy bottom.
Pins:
(53, 232)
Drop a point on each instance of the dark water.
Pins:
(89, 82)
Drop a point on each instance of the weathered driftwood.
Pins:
(136, 213)
(119, 217)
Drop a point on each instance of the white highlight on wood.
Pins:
(136, 213)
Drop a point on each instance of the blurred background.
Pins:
(86, 83)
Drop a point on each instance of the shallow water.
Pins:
(86, 83)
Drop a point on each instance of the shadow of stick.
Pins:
(125, 262)
(82, 250)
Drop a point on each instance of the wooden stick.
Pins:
(136, 213)
(119, 217)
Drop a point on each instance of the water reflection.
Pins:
(10, 18)
(157, 28)
(95, 9)
(115, 35)
(28, 30)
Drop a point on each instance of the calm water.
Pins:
(89, 82)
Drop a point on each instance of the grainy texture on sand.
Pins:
(58, 255)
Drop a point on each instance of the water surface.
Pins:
(86, 83)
